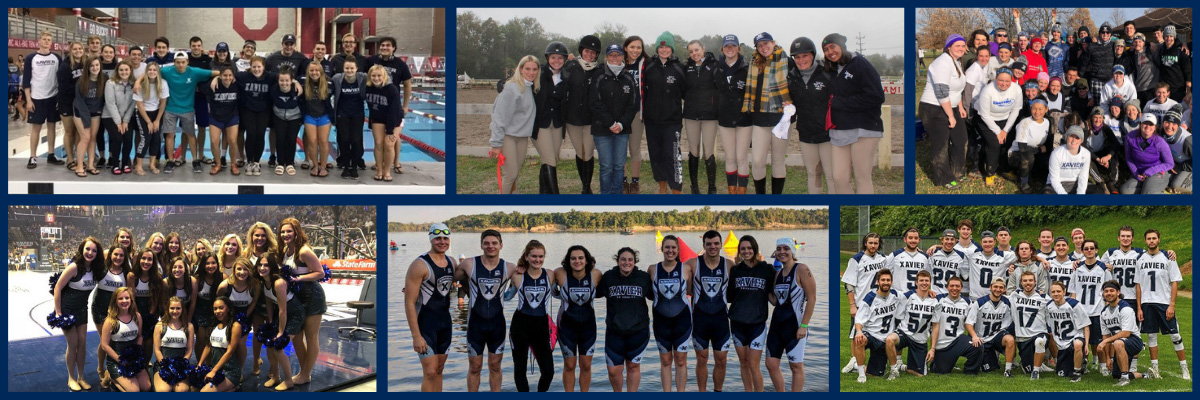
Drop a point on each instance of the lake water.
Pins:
(404, 371)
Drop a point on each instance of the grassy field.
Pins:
(1177, 234)
(995, 381)
(477, 175)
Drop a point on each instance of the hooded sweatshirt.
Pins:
(513, 113)
(663, 91)
(627, 311)
(857, 95)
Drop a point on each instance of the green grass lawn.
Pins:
(996, 382)
(924, 185)
(477, 175)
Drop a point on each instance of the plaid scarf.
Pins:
(774, 88)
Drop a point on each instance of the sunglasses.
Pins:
(440, 232)
(1001, 35)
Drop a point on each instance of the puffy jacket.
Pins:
(857, 96)
(731, 90)
(550, 101)
(700, 102)
(811, 99)
(612, 98)
(576, 108)
(663, 91)
(1098, 61)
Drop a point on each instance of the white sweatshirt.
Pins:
(1031, 133)
(995, 105)
(945, 82)
(1128, 92)
(1065, 167)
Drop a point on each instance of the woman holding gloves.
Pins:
(614, 106)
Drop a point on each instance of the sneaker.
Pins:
(862, 379)
(54, 160)
(1184, 373)
(1047, 368)
(32, 163)
(353, 173)
(169, 168)
(207, 160)
(346, 173)
(849, 367)
(1076, 378)
(990, 181)
(1123, 381)
(241, 163)
(1008, 373)
(196, 166)
(100, 161)
(894, 373)
(1025, 189)
(1035, 375)
(951, 186)
(223, 162)
(1153, 373)
(271, 162)
(278, 170)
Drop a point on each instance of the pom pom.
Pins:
(54, 281)
(281, 343)
(288, 275)
(174, 369)
(131, 361)
(265, 332)
(61, 322)
(217, 378)
(241, 318)
(196, 376)
(328, 274)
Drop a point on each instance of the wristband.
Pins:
(805, 326)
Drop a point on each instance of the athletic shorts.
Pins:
(711, 330)
(201, 108)
(1026, 350)
(916, 352)
(945, 359)
(753, 335)
(990, 359)
(44, 111)
(436, 331)
(1094, 336)
(576, 338)
(66, 107)
(484, 333)
(622, 348)
(1065, 359)
(1133, 346)
(1154, 319)
(221, 125)
(673, 333)
(876, 361)
(318, 121)
(781, 340)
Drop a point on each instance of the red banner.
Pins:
(33, 44)
(349, 265)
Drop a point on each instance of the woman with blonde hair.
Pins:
(243, 292)
(71, 292)
(260, 240)
(386, 118)
(318, 118)
(151, 102)
(228, 252)
(296, 255)
(173, 338)
(157, 242)
(200, 249)
(121, 331)
(513, 117)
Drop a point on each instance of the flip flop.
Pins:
(94, 171)
(81, 174)
(378, 177)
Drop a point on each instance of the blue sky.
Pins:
(425, 214)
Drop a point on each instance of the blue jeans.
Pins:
(610, 150)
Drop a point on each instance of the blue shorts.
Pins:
(44, 111)
(1155, 320)
(711, 330)
(622, 348)
(1133, 346)
(318, 121)
(576, 338)
(1027, 349)
(753, 335)
(916, 352)
(1095, 337)
(435, 329)
(673, 333)
(215, 123)
(485, 334)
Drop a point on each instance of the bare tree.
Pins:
(936, 24)
(1116, 18)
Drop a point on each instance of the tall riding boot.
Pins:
(553, 180)
(662, 187)
(742, 183)
(693, 164)
(760, 186)
(731, 181)
(585, 173)
(777, 185)
(710, 169)
(544, 180)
